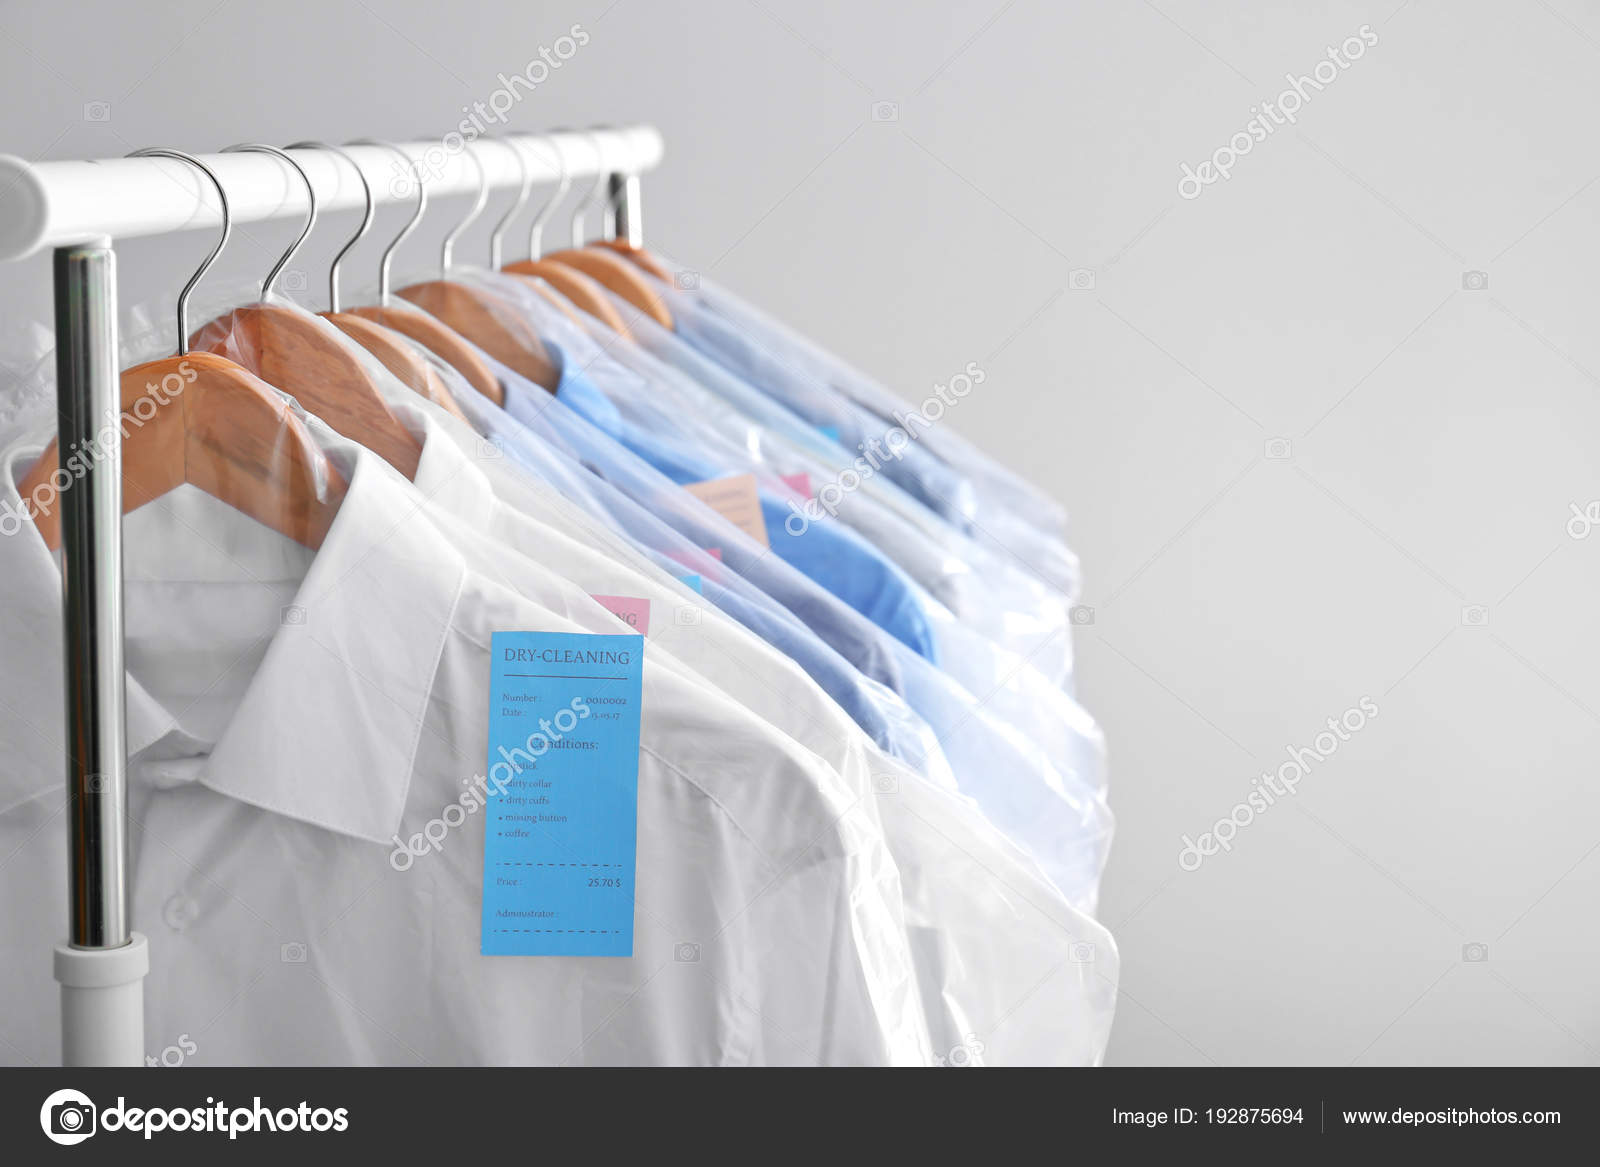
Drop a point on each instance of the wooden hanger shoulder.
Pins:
(216, 426)
(637, 256)
(623, 278)
(290, 350)
(396, 355)
(443, 342)
(581, 289)
(488, 322)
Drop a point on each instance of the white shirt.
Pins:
(275, 759)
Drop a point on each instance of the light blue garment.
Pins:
(696, 388)
(854, 637)
(926, 478)
(836, 558)
(999, 488)
(1053, 807)
(1023, 616)
(1012, 640)
(1004, 512)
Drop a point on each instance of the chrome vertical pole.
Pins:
(103, 962)
(91, 595)
(622, 210)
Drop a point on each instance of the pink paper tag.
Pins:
(799, 483)
(737, 499)
(633, 612)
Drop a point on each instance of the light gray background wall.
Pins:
(1296, 444)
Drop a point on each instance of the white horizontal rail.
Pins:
(51, 204)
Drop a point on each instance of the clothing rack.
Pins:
(78, 208)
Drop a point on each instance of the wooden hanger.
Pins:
(482, 317)
(497, 236)
(224, 431)
(561, 286)
(560, 303)
(400, 358)
(491, 324)
(217, 427)
(569, 279)
(584, 292)
(391, 348)
(441, 341)
(622, 277)
(428, 331)
(636, 255)
(290, 350)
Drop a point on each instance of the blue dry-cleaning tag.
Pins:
(563, 784)
(694, 582)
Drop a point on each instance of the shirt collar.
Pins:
(525, 401)
(327, 729)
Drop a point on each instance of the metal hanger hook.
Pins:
(563, 185)
(495, 237)
(227, 230)
(311, 216)
(366, 218)
(592, 196)
(448, 247)
(411, 225)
